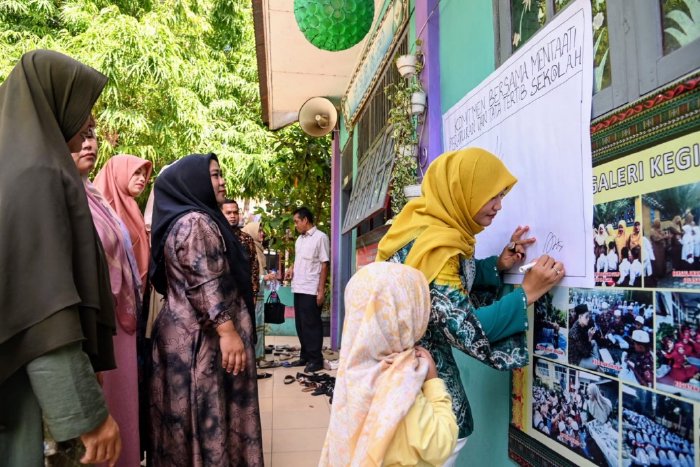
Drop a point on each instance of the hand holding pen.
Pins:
(514, 252)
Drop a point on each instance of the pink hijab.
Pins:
(117, 246)
(113, 182)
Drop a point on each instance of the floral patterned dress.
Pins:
(492, 331)
(201, 415)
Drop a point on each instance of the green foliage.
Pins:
(601, 47)
(526, 19)
(297, 174)
(681, 23)
(182, 74)
(182, 79)
(675, 201)
(665, 330)
(404, 134)
(612, 212)
(545, 307)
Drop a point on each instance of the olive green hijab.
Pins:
(54, 285)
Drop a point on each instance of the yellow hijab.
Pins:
(457, 185)
(387, 307)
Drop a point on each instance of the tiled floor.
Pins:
(294, 423)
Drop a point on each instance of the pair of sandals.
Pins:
(317, 384)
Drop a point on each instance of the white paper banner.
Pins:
(534, 113)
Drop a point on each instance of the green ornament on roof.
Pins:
(334, 24)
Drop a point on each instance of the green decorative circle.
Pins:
(334, 24)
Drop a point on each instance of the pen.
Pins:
(527, 267)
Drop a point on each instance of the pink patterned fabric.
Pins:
(116, 246)
(120, 386)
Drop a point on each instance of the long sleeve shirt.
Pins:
(477, 323)
(428, 433)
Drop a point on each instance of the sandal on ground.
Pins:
(289, 379)
(264, 375)
(268, 364)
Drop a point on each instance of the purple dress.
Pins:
(201, 415)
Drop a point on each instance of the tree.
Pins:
(612, 212)
(676, 201)
(296, 174)
(182, 79)
(182, 75)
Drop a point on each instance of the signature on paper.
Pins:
(553, 244)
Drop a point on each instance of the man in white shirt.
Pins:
(309, 274)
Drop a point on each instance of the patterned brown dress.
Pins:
(249, 245)
(201, 415)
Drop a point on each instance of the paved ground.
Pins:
(294, 423)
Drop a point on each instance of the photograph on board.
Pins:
(678, 343)
(617, 244)
(671, 224)
(656, 429)
(611, 331)
(550, 330)
(577, 409)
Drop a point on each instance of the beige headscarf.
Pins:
(599, 406)
(387, 310)
(253, 229)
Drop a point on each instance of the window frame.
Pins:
(638, 65)
(369, 191)
(656, 69)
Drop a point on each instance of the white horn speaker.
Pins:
(318, 116)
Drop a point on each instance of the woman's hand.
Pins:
(103, 444)
(544, 275)
(233, 358)
(514, 252)
(424, 354)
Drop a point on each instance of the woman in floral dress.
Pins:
(435, 233)
(204, 400)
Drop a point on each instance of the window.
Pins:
(374, 150)
(667, 33)
(560, 373)
(346, 165)
(370, 188)
(638, 46)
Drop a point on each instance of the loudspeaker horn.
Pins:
(318, 116)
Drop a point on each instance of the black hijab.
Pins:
(183, 188)
(54, 285)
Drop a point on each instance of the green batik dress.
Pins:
(488, 329)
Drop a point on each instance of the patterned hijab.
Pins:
(379, 376)
(457, 185)
(113, 182)
(123, 272)
(48, 247)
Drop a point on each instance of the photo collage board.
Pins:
(615, 372)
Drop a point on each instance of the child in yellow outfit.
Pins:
(389, 406)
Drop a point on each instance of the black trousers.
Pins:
(307, 315)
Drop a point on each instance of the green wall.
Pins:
(466, 58)
(343, 130)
